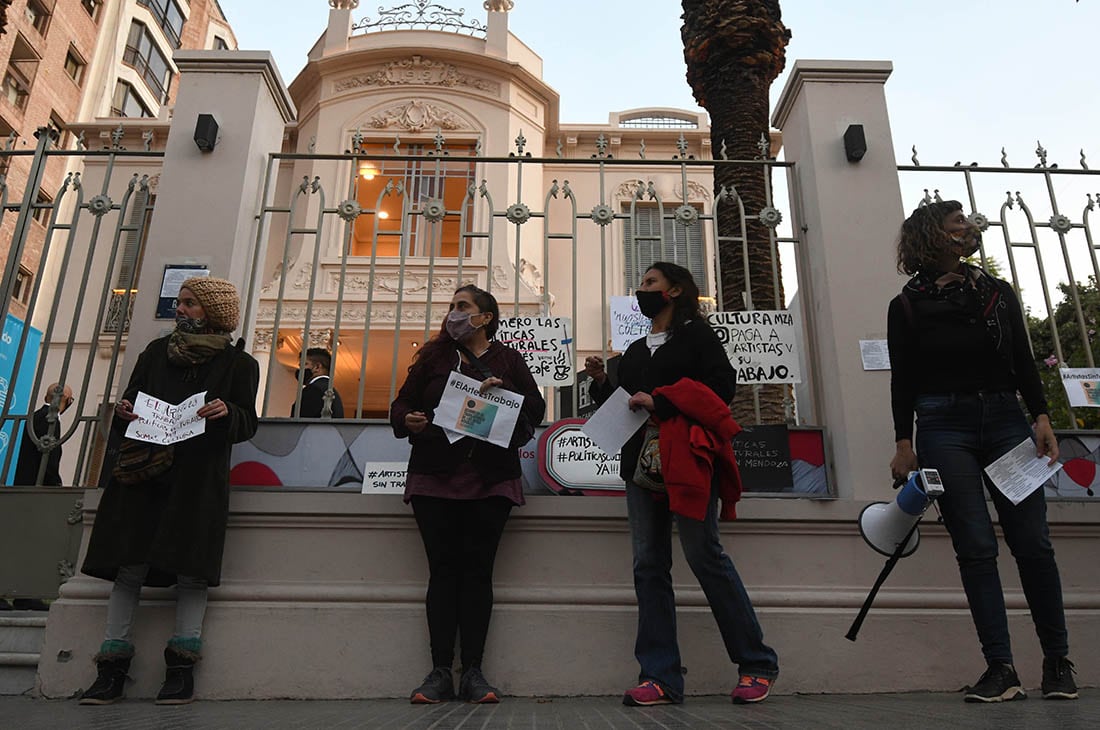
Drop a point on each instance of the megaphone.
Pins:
(885, 526)
(890, 528)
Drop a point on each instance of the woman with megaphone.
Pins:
(959, 354)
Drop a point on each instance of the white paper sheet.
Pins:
(875, 354)
(160, 422)
(490, 416)
(1020, 472)
(614, 423)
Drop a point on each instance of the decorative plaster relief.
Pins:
(417, 116)
(695, 191)
(417, 70)
(629, 189)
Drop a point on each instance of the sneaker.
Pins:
(472, 687)
(998, 684)
(438, 686)
(751, 689)
(1058, 681)
(645, 694)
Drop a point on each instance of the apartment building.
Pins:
(65, 61)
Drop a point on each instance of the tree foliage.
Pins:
(1075, 345)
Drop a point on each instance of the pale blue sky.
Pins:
(968, 77)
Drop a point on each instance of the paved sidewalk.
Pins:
(847, 712)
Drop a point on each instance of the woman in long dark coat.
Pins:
(168, 528)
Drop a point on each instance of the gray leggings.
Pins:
(190, 604)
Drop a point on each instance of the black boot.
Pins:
(112, 662)
(179, 680)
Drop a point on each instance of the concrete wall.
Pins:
(322, 597)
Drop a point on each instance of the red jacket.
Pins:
(694, 443)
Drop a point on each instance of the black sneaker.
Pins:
(473, 688)
(1058, 681)
(438, 686)
(998, 684)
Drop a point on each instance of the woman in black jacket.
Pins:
(959, 354)
(681, 344)
(462, 492)
(164, 524)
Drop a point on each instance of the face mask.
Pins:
(651, 303)
(307, 375)
(190, 326)
(968, 242)
(459, 325)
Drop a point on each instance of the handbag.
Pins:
(647, 474)
(140, 461)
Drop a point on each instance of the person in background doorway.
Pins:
(959, 354)
(318, 379)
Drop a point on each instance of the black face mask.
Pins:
(650, 303)
(307, 375)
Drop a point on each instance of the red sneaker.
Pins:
(645, 694)
(751, 689)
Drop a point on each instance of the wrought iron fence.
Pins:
(364, 252)
(73, 327)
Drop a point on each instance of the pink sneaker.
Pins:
(645, 694)
(750, 689)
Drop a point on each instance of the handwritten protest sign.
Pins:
(761, 345)
(573, 461)
(490, 416)
(764, 458)
(1082, 386)
(384, 477)
(627, 322)
(546, 344)
(160, 422)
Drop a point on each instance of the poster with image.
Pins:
(466, 411)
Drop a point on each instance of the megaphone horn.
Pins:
(885, 525)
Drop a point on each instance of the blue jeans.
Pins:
(656, 648)
(960, 435)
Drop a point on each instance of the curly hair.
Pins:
(443, 342)
(686, 306)
(922, 238)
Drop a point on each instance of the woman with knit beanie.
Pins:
(162, 517)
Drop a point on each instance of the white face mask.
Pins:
(459, 326)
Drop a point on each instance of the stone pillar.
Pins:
(339, 25)
(207, 201)
(496, 31)
(847, 275)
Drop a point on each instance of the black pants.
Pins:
(460, 538)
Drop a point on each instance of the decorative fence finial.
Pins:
(601, 147)
(1004, 158)
(521, 142)
(498, 6)
(764, 145)
(916, 162)
(1084, 164)
(1041, 153)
